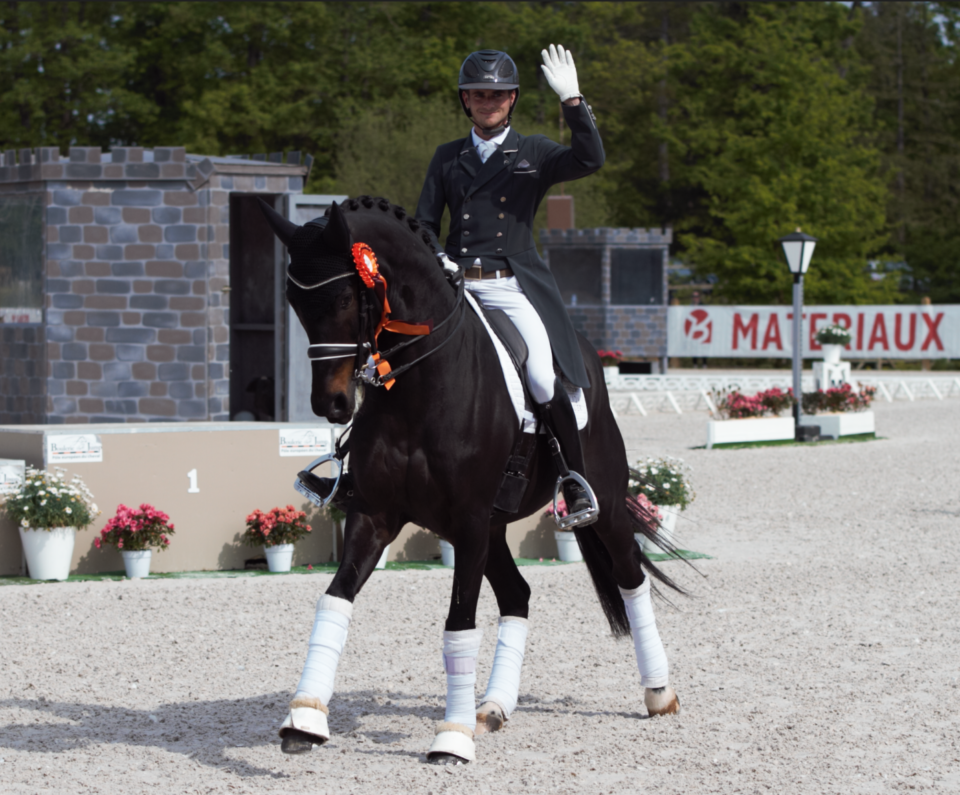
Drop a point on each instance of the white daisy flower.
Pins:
(24, 523)
(42, 503)
(68, 510)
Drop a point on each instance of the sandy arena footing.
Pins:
(819, 652)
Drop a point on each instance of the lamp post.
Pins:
(798, 249)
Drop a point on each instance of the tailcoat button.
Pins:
(466, 216)
(501, 216)
(499, 250)
(499, 234)
(463, 251)
(466, 234)
(503, 198)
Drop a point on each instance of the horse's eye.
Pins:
(345, 301)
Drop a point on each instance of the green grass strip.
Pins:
(856, 437)
(320, 568)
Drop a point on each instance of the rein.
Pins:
(375, 369)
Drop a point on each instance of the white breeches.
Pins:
(460, 652)
(326, 645)
(504, 684)
(651, 657)
(506, 294)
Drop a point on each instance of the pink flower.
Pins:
(309, 567)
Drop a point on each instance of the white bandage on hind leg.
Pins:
(326, 645)
(504, 684)
(651, 657)
(460, 652)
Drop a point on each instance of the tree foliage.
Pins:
(733, 123)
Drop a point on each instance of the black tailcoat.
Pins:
(492, 206)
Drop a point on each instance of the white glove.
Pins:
(448, 264)
(560, 72)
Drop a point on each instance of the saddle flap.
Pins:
(508, 334)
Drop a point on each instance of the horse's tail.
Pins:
(600, 565)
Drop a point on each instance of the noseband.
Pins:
(372, 366)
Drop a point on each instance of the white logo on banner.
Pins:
(304, 441)
(879, 332)
(74, 448)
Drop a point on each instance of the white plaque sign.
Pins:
(312, 442)
(74, 448)
(11, 475)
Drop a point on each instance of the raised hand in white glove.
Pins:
(448, 264)
(560, 72)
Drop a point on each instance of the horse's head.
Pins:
(323, 287)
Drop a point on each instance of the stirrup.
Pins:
(310, 494)
(581, 517)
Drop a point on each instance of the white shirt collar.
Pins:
(497, 139)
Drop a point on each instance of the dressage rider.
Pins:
(493, 182)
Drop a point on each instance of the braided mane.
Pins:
(368, 202)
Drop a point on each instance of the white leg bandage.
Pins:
(651, 658)
(460, 652)
(326, 644)
(504, 684)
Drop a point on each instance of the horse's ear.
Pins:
(336, 237)
(282, 228)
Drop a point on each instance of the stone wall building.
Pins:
(614, 285)
(116, 270)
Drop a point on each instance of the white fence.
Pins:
(641, 394)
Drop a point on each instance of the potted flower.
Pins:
(276, 531)
(135, 532)
(840, 411)
(568, 549)
(665, 483)
(833, 339)
(48, 511)
(611, 365)
(757, 417)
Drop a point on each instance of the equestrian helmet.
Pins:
(488, 69)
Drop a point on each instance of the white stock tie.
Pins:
(485, 149)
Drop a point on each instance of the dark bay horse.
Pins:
(431, 450)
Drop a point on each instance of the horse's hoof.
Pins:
(661, 701)
(490, 718)
(445, 759)
(298, 742)
(453, 745)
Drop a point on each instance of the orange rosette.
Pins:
(366, 262)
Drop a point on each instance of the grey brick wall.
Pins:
(22, 371)
(137, 273)
(639, 332)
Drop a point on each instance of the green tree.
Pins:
(774, 128)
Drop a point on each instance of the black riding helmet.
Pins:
(489, 69)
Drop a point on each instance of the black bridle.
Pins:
(365, 348)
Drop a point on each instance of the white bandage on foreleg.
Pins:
(504, 684)
(326, 645)
(460, 652)
(651, 657)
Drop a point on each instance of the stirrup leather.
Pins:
(581, 517)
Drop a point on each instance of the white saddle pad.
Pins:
(520, 401)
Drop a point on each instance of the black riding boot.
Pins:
(323, 486)
(558, 416)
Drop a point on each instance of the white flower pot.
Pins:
(446, 553)
(568, 550)
(279, 557)
(755, 429)
(845, 423)
(382, 563)
(668, 529)
(48, 552)
(611, 373)
(831, 353)
(136, 562)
